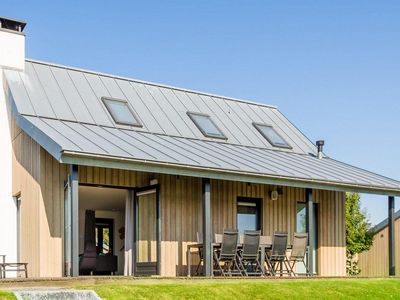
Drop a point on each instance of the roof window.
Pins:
(206, 125)
(121, 112)
(271, 135)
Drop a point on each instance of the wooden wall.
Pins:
(375, 261)
(39, 179)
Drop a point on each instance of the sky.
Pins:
(332, 67)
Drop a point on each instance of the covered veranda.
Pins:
(195, 206)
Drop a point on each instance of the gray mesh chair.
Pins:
(298, 253)
(200, 252)
(226, 260)
(277, 258)
(249, 255)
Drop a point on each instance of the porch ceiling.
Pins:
(86, 144)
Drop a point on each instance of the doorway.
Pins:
(101, 220)
(147, 233)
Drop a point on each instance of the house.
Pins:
(150, 167)
(375, 261)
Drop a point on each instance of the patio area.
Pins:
(251, 254)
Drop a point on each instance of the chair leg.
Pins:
(307, 270)
(198, 267)
(269, 265)
(287, 266)
(258, 265)
(218, 265)
(292, 268)
(242, 266)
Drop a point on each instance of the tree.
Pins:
(359, 236)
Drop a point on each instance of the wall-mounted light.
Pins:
(153, 181)
(275, 193)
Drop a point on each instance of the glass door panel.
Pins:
(301, 227)
(67, 228)
(147, 232)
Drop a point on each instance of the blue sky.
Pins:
(332, 67)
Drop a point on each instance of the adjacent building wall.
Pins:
(8, 211)
(12, 56)
(375, 261)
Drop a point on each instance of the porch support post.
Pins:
(74, 221)
(310, 229)
(391, 238)
(207, 246)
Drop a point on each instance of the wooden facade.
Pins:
(375, 261)
(39, 179)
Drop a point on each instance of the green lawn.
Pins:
(6, 296)
(246, 289)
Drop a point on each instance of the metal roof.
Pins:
(385, 223)
(61, 108)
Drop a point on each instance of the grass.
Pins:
(6, 295)
(243, 289)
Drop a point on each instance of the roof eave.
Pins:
(89, 159)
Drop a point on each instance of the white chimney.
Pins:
(12, 44)
(12, 56)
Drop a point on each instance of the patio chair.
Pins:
(277, 259)
(225, 260)
(199, 252)
(249, 255)
(266, 240)
(298, 252)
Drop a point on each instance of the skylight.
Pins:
(121, 112)
(272, 136)
(206, 125)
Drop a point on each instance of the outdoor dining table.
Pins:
(263, 248)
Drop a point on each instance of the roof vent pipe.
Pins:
(320, 146)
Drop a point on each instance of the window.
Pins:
(248, 214)
(206, 125)
(104, 236)
(301, 223)
(17, 200)
(271, 135)
(121, 112)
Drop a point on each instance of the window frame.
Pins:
(135, 123)
(259, 129)
(258, 206)
(18, 202)
(101, 223)
(192, 115)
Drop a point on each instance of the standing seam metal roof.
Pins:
(61, 108)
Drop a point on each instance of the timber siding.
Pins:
(375, 261)
(39, 179)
